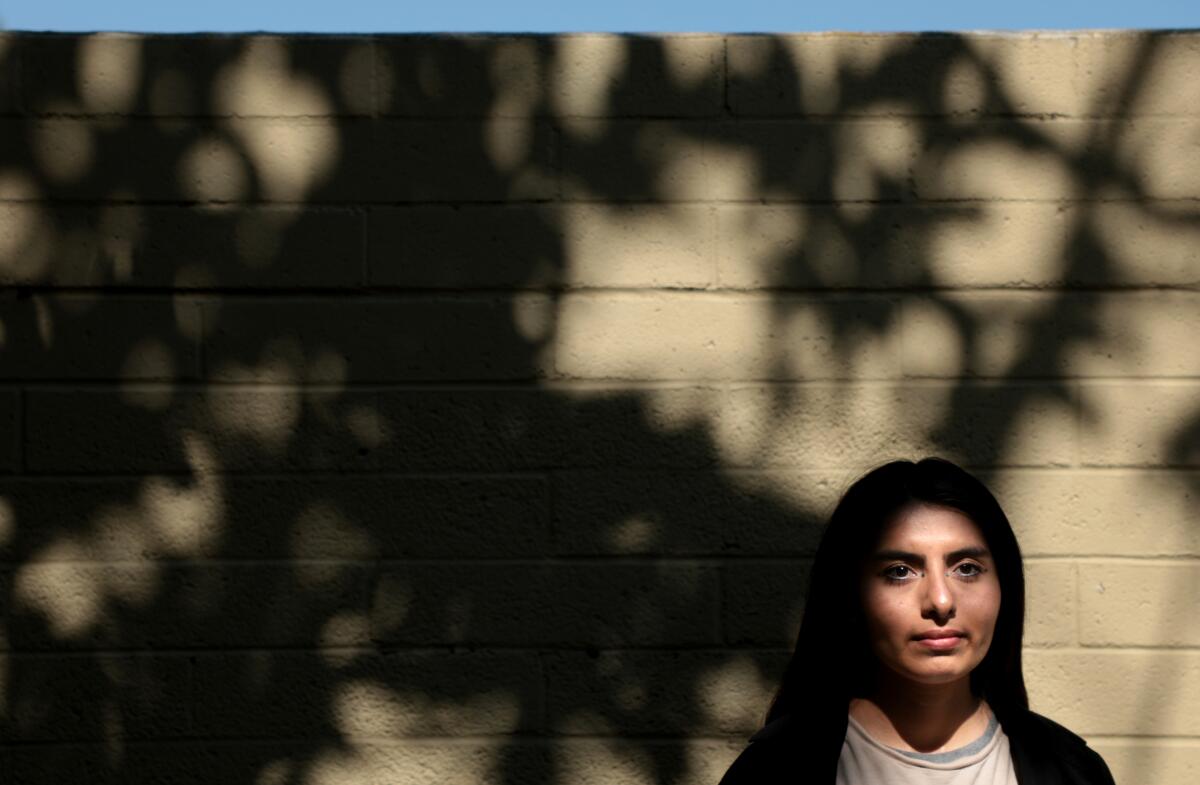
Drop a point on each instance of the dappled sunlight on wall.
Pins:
(467, 409)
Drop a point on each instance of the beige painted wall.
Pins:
(465, 409)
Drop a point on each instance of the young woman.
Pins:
(907, 668)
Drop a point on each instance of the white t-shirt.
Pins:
(866, 761)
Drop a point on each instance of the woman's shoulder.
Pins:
(1039, 725)
(791, 749)
(1035, 741)
(764, 757)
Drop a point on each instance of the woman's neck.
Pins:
(922, 717)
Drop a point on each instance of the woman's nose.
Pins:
(939, 598)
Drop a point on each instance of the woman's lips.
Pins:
(940, 641)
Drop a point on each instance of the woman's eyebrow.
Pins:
(972, 552)
(888, 555)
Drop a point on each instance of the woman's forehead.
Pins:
(930, 527)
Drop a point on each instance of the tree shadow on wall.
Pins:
(322, 451)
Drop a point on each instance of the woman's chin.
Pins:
(946, 673)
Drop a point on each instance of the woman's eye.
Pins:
(969, 570)
(897, 572)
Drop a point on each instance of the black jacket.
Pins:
(800, 750)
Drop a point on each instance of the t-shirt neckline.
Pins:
(957, 758)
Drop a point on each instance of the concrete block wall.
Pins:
(466, 409)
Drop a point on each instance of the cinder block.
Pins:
(167, 762)
(983, 425)
(293, 76)
(1038, 160)
(1118, 693)
(462, 76)
(862, 424)
(155, 428)
(677, 513)
(87, 605)
(1139, 604)
(139, 246)
(455, 161)
(102, 73)
(292, 160)
(1138, 73)
(660, 693)
(1003, 244)
(37, 509)
(553, 427)
(1138, 424)
(466, 247)
(1107, 513)
(1030, 74)
(304, 159)
(991, 335)
(438, 430)
(764, 601)
(1077, 335)
(1000, 163)
(252, 247)
(632, 428)
(25, 248)
(855, 424)
(10, 430)
(656, 160)
(799, 75)
(106, 73)
(520, 603)
(1144, 334)
(68, 337)
(521, 246)
(647, 246)
(436, 761)
(638, 762)
(927, 74)
(395, 339)
(316, 517)
(1144, 246)
(820, 247)
(569, 76)
(994, 244)
(857, 161)
(303, 695)
(254, 159)
(862, 160)
(1164, 154)
(10, 73)
(97, 431)
(1169, 761)
(1026, 245)
(623, 76)
(433, 761)
(84, 698)
(709, 336)
(1051, 610)
(395, 517)
(158, 428)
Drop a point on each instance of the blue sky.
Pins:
(596, 15)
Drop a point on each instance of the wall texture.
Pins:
(461, 410)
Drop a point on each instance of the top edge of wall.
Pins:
(1033, 33)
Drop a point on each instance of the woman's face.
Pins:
(930, 595)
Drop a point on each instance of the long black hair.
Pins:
(821, 678)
